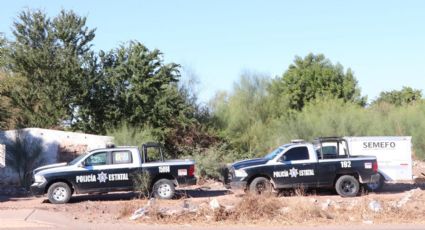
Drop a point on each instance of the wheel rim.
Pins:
(60, 194)
(164, 190)
(261, 187)
(348, 187)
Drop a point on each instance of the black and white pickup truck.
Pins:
(324, 163)
(113, 169)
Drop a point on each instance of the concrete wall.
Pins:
(53, 143)
(2, 155)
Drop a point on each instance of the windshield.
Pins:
(275, 152)
(77, 159)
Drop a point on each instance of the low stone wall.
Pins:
(2, 156)
(58, 146)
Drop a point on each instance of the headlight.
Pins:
(240, 173)
(39, 179)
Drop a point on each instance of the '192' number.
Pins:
(345, 164)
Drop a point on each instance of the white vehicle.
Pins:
(394, 155)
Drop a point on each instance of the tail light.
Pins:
(375, 166)
(191, 171)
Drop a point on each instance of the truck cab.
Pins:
(308, 165)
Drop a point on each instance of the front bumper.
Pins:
(238, 185)
(38, 189)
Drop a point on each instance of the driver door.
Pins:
(294, 168)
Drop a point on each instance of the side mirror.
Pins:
(81, 164)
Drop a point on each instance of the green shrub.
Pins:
(210, 162)
(141, 183)
(135, 136)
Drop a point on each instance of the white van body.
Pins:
(394, 154)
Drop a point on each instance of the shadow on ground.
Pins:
(181, 193)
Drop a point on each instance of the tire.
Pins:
(375, 187)
(164, 189)
(59, 193)
(260, 186)
(347, 186)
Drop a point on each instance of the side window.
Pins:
(153, 154)
(121, 157)
(333, 150)
(96, 159)
(329, 152)
(296, 154)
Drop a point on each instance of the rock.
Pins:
(139, 213)
(214, 204)
(285, 210)
(406, 198)
(375, 206)
(328, 203)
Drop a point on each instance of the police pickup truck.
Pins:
(113, 169)
(307, 165)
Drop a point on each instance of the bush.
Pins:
(136, 136)
(210, 162)
(141, 183)
(326, 117)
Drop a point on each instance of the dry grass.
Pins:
(254, 209)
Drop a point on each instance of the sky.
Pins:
(383, 42)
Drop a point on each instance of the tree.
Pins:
(405, 96)
(50, 56)
(244, 115)
(132, 85)
(313, 77)
(6, 84)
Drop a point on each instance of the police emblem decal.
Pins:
(293, 172)
(102, 177)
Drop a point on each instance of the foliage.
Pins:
(132, 85)
(141, 183)
(405, 96)
(127, 135)
(24, 154)
(211, 161)
(243, 115)
(49, 56)
(3, 51)
(313, 77)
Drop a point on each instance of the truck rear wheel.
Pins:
(260, 186)
(59, 193)
(164, 189)
(347, 186)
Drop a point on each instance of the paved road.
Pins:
(42, 219)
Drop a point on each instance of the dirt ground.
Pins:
(212, 204)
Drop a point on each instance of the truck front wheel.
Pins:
(347, 186)
(59, 193)
(260, 186)
(164, 189)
